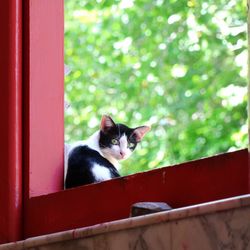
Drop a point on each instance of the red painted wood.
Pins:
(47, 209)
(10, 125)
(44, 92)
(185, 184)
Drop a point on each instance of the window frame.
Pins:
(11, 121)
(43, 96)
(106, 201)
(47, 208)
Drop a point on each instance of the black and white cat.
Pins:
(97, 159)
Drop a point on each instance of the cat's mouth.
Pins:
(122, 156)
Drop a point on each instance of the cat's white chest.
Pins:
(101, 173)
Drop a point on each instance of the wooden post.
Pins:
(11, 124)
(43, 97)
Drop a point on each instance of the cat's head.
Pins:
(118, 140)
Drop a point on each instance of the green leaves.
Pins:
(178, 65)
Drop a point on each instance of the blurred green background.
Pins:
(178, 65)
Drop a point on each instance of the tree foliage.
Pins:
(178, 65)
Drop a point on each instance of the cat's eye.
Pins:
(131, 144)
(114, 141)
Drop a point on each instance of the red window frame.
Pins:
(11, 120)
(46, 207)
(43, 96)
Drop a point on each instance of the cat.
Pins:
(97, 159)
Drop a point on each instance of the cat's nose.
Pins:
(122, 154)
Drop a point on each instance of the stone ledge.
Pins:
(110, 232)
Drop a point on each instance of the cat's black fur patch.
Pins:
(80, 162)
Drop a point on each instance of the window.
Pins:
(162, 62)
(47, 208)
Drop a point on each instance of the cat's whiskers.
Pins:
(102, 145)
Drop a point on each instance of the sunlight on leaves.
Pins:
(179, 66)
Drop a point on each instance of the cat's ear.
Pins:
(140, 132)
(107, 123)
